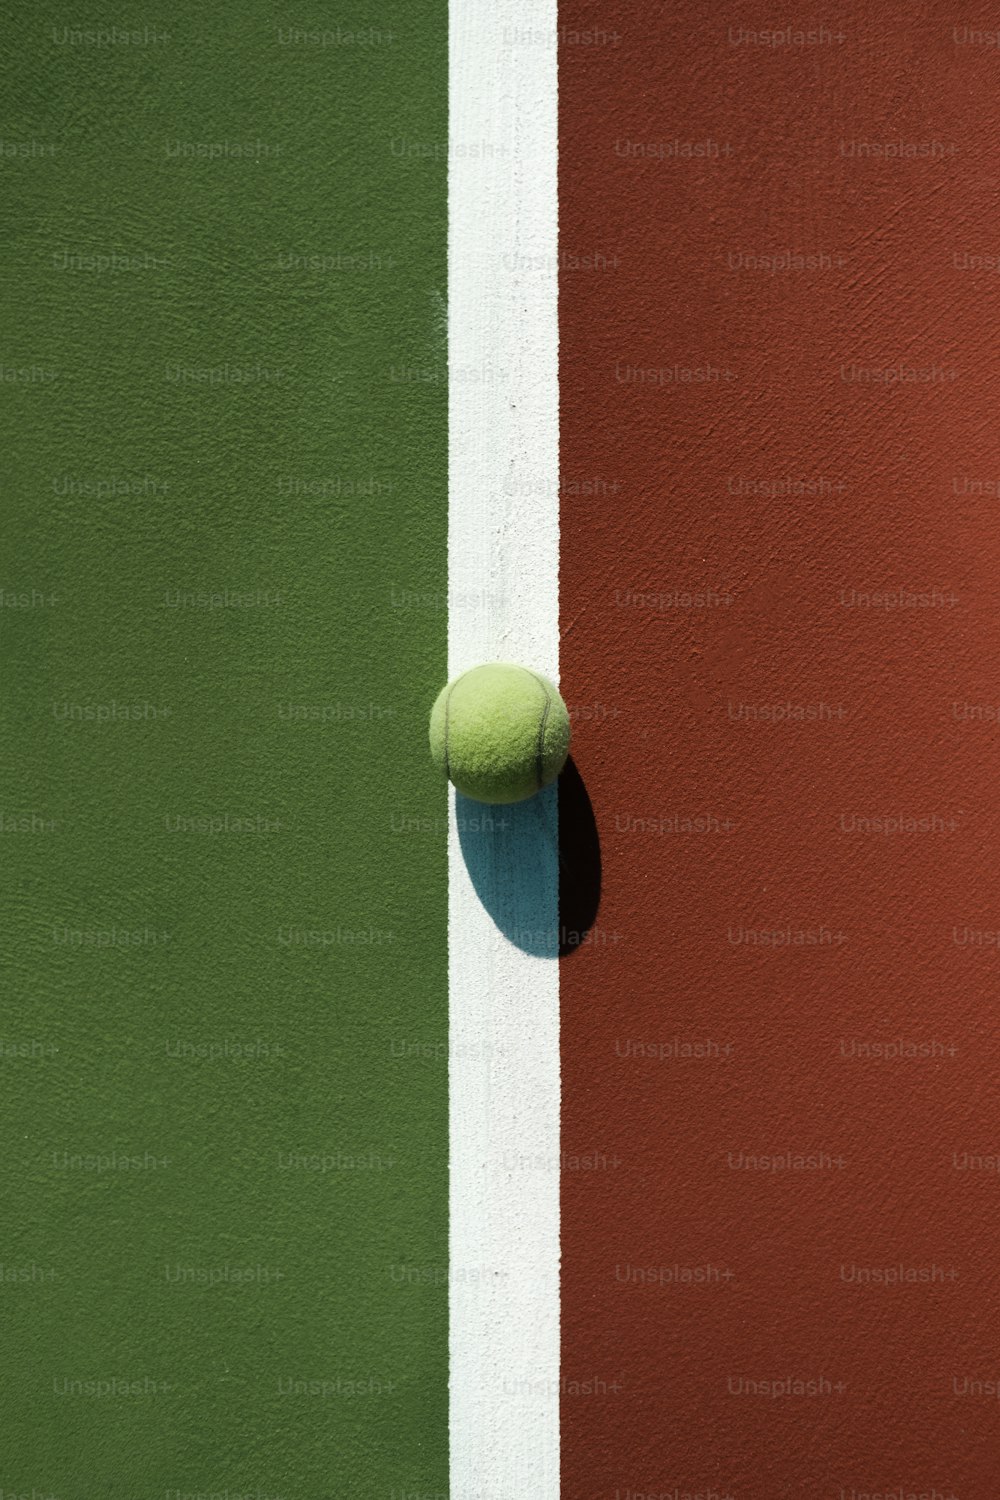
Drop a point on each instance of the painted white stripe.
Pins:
(503, 564)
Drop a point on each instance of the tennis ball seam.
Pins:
(447, 702)
(540, 748)
(491, 769)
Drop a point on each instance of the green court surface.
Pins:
(223, 1061)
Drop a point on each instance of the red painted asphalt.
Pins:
(780, 369)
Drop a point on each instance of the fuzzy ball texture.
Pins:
(499, 732)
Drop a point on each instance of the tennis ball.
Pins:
(499, 732)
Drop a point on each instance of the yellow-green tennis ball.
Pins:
(499, 732)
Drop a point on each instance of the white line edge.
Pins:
(503, 573)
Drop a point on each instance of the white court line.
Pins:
(503, 575)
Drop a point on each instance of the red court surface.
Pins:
(780, 547)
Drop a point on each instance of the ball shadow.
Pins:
(536, 865)
(579, 861)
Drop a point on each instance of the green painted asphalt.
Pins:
(223, 1081)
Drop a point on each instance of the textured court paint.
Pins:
(503, 597)
(327, 486)
(681, 1043)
